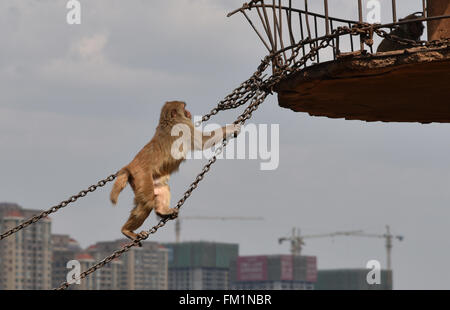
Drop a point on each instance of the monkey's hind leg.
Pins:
(144, 203)
(162, 197)
(137, 217)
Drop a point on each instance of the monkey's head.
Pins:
(175, 111)
(413, 30)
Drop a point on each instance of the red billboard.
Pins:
(252, 268)
(311, 269)
(287, 267)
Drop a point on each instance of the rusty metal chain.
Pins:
(241, 95)
(62, 204)
(252, 88)
(247, 114)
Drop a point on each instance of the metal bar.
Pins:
(275, 28)
(394, 11)
(360, 12)
(268, 26)
(336, 50)
(302, 34)
(280, 26)
(408, 21)
(257, 32)
(309, 13)
(315, 29)
(289, 19)
(424, 8)
(351, 39)
(360, 17)
(325, 4)
(335, 46)
(307, 19)
(269, 35)
(280, 22)
(301, 26)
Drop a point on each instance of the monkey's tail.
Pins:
(119, 185)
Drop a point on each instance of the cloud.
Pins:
(87, 64)
(90, 48)
(79, 101)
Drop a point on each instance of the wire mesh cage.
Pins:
(357, 69)
(282, 28)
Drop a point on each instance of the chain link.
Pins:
(62, 204)
(242, 94)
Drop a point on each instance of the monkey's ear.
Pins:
(173, 113)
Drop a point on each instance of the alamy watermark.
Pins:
(374, 12)
(374, 275)
(73, 16)
(254, 142)
(73, 276)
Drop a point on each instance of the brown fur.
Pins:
(412, 31)
(149, 172)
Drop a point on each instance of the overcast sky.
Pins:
(78, 102)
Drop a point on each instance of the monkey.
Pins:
(411, 31)
(162, 193)
(149, 172)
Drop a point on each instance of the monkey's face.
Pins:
(176, 110)
(183, 112)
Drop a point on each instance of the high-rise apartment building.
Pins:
(200, 265)
(34, 259)
(25, 257)
(65, 249)
(109, 277)
(141, 268)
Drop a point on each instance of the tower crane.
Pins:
(388, 238)
(212, 218)
(297, 242)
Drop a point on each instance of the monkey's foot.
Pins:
(144, 234)
(172, 214)
(132, 236)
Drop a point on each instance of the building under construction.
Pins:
(274, 272)
(351, 279)
(200, 265)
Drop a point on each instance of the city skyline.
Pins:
(65, 239)
(36, 259)
(78, 101)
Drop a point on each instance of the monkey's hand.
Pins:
(234, 130)
(144, 234)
